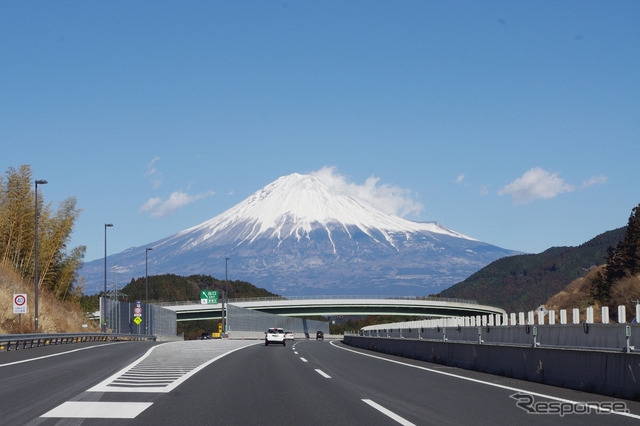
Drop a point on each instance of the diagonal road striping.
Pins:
(160, 370)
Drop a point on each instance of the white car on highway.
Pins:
(275, 335)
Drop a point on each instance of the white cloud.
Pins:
(594, 180)
(152, 174)
(388, 198)
(538, 183)
(177, 200)
(460, 179)
(534, 184)
(150, 204)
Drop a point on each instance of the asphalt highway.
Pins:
(246, 383)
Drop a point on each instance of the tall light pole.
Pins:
(226, 294)
(38, 182)
(146, 289)
(104, 307)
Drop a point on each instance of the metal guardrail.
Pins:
(326, 297)
(25, 341)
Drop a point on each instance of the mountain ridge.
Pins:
(298, 235)
(524, 282)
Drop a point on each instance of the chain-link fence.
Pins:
(134, 318)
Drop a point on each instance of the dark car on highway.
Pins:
(319, 335)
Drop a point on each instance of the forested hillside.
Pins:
(524, 282)
(170, 288)
(616, 283)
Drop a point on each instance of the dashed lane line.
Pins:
(496, 385)
(322, 373)
(388, 413)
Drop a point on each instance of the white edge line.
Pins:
(195, 370)
(444, 373)
(58, 354)
(388, 413)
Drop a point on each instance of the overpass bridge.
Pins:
(337, 305)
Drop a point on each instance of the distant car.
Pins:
(274, 335)
(319, 335)
(289, 335)
(205, 336)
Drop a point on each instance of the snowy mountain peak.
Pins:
(296, 204)
(310, 235)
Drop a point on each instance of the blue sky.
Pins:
(516, 123)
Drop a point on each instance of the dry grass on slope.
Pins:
(578, 295)
(54, 315)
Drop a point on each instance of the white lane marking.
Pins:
(98, 410)
(295, 352)
(323, 374)
(388, 413)
(58, 354)
(115, 384)
(303, 360)
(130, 410)
(510, 388)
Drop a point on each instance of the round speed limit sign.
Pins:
(19, 303)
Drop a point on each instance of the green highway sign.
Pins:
(209, 297)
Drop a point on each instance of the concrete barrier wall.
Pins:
(609, 373)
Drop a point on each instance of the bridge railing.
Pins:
(325, 297)
(10, 342)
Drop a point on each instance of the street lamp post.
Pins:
(38, 182)
(104, 307)
(226, 294)
(146, 289)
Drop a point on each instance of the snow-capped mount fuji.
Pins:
(298, 236)
(294, 206)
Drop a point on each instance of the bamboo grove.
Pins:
(57, 267)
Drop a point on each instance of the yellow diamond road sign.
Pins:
(137, 320)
